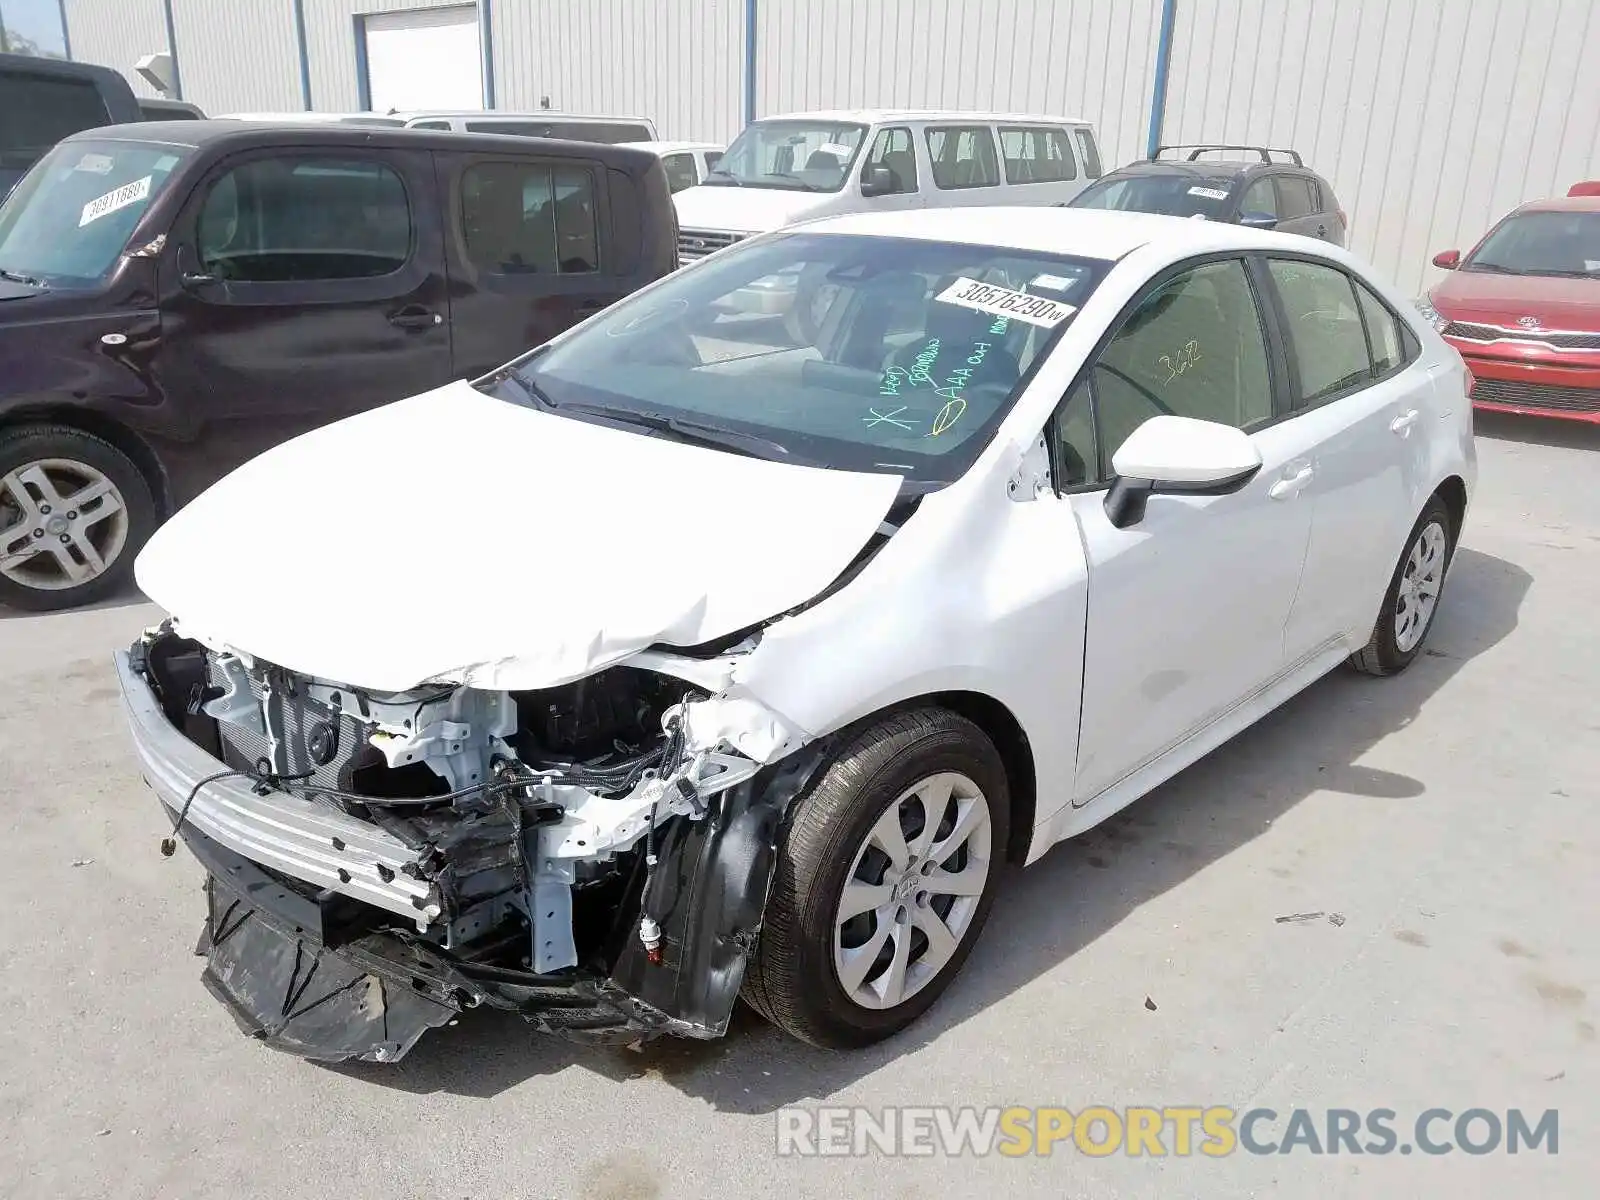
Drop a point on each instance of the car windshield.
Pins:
(805, 156)
(1542, 243)
(69, 218)
(1180, 194)
(861, 353)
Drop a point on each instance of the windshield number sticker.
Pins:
(128, 193)
(1209, 193)
(1003, 302)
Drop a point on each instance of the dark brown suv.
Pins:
(177, 297)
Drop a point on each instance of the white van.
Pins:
(803, 165)
(686, 163)
(568, 127)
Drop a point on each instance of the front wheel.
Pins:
(1413, 596)
(74, 510)
(884, 878)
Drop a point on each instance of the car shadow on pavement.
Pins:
(1537, 431)
(124, 597)
(1075, 894)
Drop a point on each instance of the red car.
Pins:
(1524, 308)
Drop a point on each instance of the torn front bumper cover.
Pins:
(300, 951)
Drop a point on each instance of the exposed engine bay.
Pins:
(594, 855)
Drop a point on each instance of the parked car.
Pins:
(786, 169)
(175, 298)
(1261, 192)
(1523, 308)
(686, 163)
(804, 165)
(789, 648)
(43, 100)
(169, 110)
(569, 127)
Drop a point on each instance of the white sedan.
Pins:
(682, 659)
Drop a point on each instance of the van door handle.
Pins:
(1289, 486)
(414, 316)
(1403, 423)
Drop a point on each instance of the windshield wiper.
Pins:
(719, 173)
(1492, 268)
(810, 187)
(19, 277)
(717, 436)
(531, 390)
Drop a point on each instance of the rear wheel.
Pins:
(74, 510)
(884, 880)
(1413, 596)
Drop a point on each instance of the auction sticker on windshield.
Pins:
(1210, 193)
(1003, 302)
(128, 193)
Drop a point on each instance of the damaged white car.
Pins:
(678, 661)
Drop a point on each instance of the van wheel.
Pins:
(1413, 596)
(74, 510)
(884, 878)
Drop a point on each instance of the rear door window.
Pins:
(529, 218)
(1090, 153)
(298, 219)
(1325, 329)
(1390, 347)
(1260, 199)
(1037, 154)
(1295, 198)
(963, 156)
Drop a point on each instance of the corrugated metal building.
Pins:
(1431, 117)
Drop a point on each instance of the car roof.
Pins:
(874, 116)
(1207, 168)
(507, 115)
(671, 147)
(1562, 204)
(235, 134)
(1089, 233)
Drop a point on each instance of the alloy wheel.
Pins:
(1418, 592)
(63, 523)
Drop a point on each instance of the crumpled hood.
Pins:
(745, 209)
(456, 535)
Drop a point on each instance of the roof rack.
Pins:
(1197, 149)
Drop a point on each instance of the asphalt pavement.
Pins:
(1382, 896)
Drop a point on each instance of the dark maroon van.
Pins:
(176, 297)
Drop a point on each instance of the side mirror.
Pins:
(1448, 259)
(1256, 220)
(1178, 455)
(876, 181)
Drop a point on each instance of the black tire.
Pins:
(1382, 654)
(25, 444)
(791, 979)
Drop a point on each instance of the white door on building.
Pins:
(424, 59)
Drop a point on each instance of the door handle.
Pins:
(1403, 423)
(415, 317)
(1289, 486)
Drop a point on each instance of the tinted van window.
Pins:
(277, 220)
(1295, 197)
(1090, 152)
(528, 218)
(571, 131)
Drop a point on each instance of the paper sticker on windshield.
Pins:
(1209, 193)
(95, 164)
(1051, 283)
(836, 149)
(1003, 302)
(128, 193)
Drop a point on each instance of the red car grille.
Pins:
(1494, 333)
(1536, 395)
